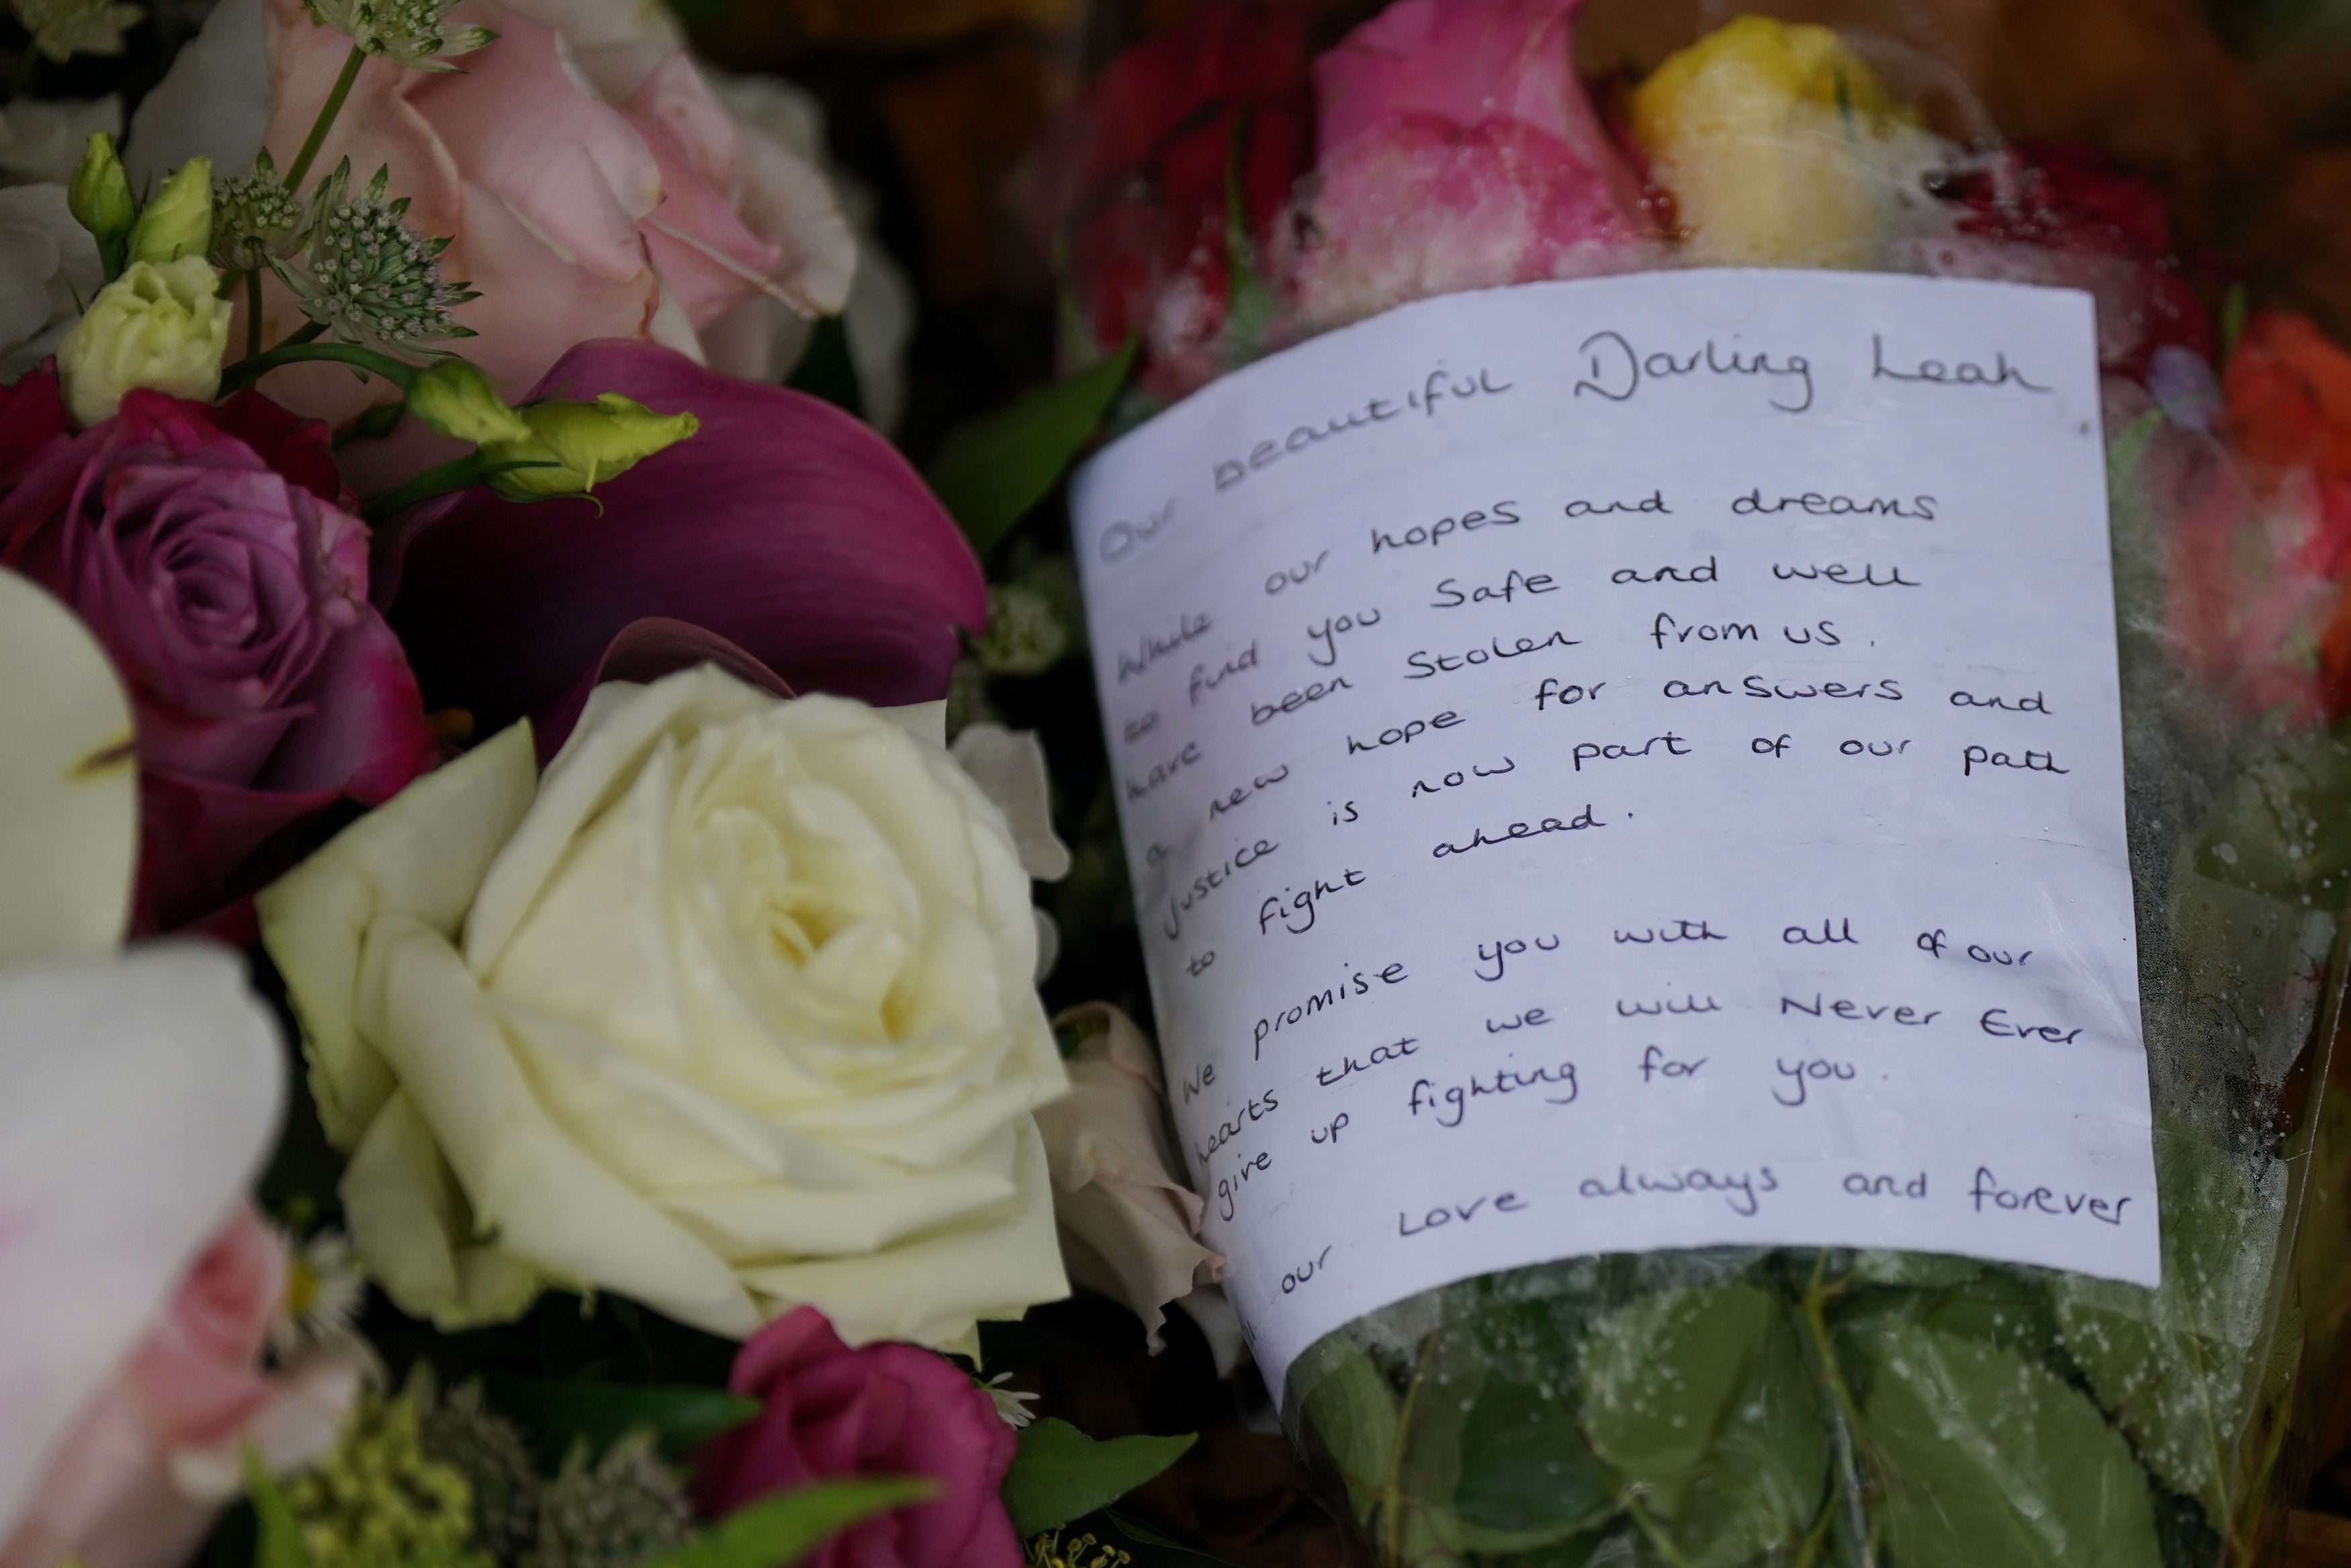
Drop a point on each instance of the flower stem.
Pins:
(457, 473)
(1844, 1413)
(308, 332)
(327, 112)
(253, 313)
(246, 371)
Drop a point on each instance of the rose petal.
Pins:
(786, 527)
(571, 168)
(366, 735)
(69, 782)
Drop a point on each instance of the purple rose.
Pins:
(230, 588)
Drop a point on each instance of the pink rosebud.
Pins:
(879, 1409)
(1459, 150)
(205, 549)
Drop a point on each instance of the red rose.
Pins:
(1146, 166)
(211, 552)
(2071, 216)
(881, 1410)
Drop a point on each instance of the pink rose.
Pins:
(881, 1410)
(207, 551)
(1459, 150)
(593, 185)
(137, 1479)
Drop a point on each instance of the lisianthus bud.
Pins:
(99, 198)
(158, 325)
(453, 397)
(178, 219)
(1779, 145)
(580, 443)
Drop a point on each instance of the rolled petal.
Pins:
(786, 527)
(422, 855)
(69, 784)
(137, 1096)
(644, 652)
(551, 1204)
(927, 1291)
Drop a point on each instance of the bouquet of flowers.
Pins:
(1245, 182)
(624, 1108)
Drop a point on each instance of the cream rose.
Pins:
(730, 1011)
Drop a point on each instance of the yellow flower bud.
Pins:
(178, 219)
(100, 196)
(1779, 145)
(454, 396)
(156, 326)
(582, 444)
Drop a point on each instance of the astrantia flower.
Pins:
(64, 28)
(255, 218)
(408, 31)
(370, 278)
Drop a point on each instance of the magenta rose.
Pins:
(1459, 150)
(882, 1410)
(211, 552)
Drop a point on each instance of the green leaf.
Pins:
(1060, 1473)
(553, 1416)
(2177, 1367)
(1986, 1460)
(992, 471)
(1351, 1412)
(1702, 1401)
(781, 1529)
(279, 1542)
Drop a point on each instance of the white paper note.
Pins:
(1632, 763)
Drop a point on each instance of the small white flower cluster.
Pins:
(370, 278)
(408, 31)
(64, 28)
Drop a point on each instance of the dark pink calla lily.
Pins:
(786, 528)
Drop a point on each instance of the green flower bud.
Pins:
(161, 327)
(581, 443)
(454, 396)
(178, 219)
(100, 199)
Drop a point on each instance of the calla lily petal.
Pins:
(69, 782)
(137, 1096)
(786, 527)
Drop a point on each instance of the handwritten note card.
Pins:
(1632, 763)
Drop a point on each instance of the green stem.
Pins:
(253, 313)
(327, 112)
(1847, 1414)
(457, 473)
(308, 332)
(245, 371)
(1659, 1542)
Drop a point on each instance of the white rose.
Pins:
(729, 1013)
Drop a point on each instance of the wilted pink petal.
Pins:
(785, 527)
